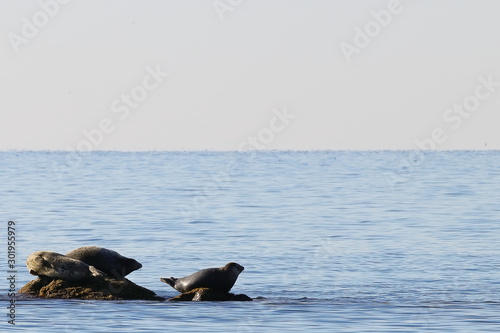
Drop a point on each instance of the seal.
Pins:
(221, 279)
(110, 262)
(58, 266)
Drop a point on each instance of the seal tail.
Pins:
(170, 281)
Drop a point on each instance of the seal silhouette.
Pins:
(58, 266)
(110, 262)
(221, 279)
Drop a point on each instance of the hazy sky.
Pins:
(238, 74)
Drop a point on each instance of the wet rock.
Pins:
(103, 288)
(207, 294)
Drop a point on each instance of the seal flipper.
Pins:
(170, 281)
(95, 272)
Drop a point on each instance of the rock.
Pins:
(207, 294)
(98, 288)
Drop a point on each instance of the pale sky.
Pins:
(238, 74)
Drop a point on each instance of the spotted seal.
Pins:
(58, 266)
(221, 279)
(110, 262)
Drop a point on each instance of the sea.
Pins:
(331, 241)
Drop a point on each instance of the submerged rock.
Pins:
(207, 294)
(98, 288)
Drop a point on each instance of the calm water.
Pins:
(330, 241)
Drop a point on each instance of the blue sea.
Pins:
(331, 241)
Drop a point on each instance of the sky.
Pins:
(88, 75)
